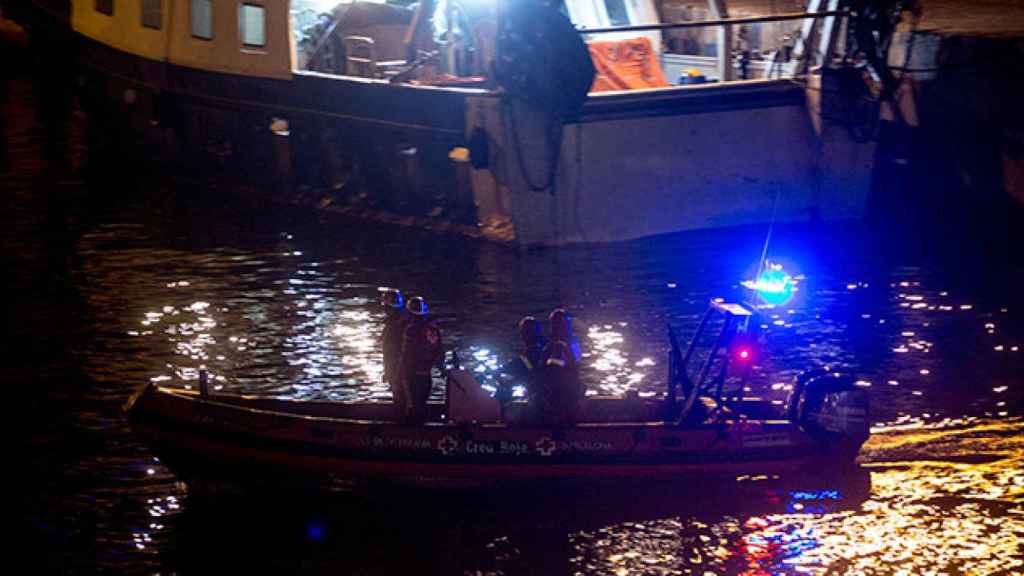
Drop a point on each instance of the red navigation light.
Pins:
(744, 354)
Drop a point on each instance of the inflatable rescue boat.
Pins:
(701, 425)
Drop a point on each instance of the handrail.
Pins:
(722, 22)
(712, 354)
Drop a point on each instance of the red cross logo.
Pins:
(545, 446)
(447, 445)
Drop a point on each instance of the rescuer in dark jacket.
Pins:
(525, 368)
(421, 351)
(561, 330)
(560, 384)
(394, 329)
(559, 387)
(532, 354)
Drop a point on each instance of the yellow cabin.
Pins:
(250, 37)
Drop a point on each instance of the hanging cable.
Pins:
(553, 138)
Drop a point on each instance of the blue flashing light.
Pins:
(316, 531)
(774, 285)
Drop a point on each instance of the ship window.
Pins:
(202, 19)
(252, 25)
(617, 14)
(151, 14)
(105, 6)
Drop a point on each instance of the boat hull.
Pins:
(650, 162)
(224, 439)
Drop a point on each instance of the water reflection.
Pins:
(920, 517)
(520, 529)
(609, 355)
(292, 322)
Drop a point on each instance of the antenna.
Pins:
(767, 239)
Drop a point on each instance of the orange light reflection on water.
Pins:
(960, 513)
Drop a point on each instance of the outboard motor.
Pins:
(833, 409)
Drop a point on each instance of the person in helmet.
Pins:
(561, 330)
(559, 381)
(526, 366)
(559, 389)
(395, 321)
(421, 351)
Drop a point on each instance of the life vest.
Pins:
(421, 347)
(394, 330)
(559, 383)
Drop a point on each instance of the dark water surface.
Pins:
(145, 277)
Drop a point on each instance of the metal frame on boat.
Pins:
(711, 431)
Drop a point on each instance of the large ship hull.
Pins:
(630, 164)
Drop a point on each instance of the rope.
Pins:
(554, 139)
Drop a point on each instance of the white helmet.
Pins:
(417, 306)
(392, 298)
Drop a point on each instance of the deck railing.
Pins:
(720, 22)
